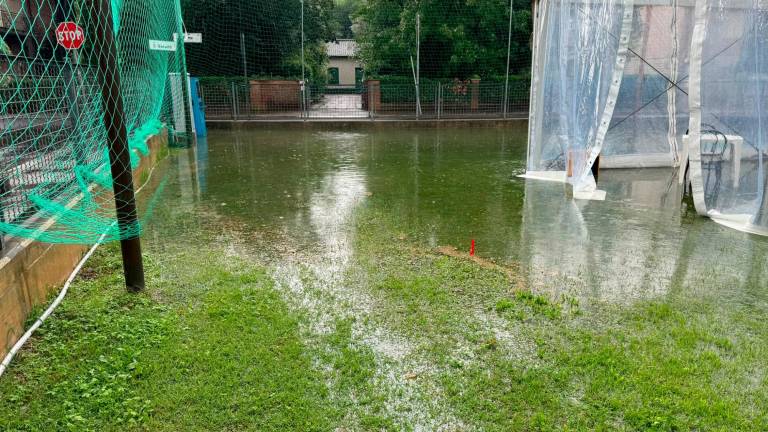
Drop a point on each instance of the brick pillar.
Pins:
(374, 95)
(475, 89)
(257, 99)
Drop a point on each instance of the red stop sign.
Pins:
(70, 35)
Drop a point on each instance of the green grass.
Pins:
(227, 358)
(214, 345)
(667, 364)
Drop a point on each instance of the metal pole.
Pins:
(509, 55)
(119, 152)
(372, 100)
(303, 68)
(245, 59)
(418, 65)
(303, 72)
(181, 61)
(234, 100)
(70, 70)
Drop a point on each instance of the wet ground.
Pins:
(447, 187)
(338, 106)
(321, 281)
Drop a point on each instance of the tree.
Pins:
(267, 32)
(459, 38)
(342, 18)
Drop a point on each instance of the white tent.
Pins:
(653, 83)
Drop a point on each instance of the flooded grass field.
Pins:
(322, 281)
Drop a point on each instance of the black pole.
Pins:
(105, 47)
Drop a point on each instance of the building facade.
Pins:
(343, 68)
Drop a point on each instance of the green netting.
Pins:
(266, 59)
(55, 179)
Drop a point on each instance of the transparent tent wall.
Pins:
(578, 64)
(729, 104)
(671, 79)
(651, 114)
(639, 57)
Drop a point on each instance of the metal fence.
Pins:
(35, 131)
(287, 100)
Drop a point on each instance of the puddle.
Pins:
(294, 200)
(446, 187)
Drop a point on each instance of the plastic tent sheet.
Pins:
(647, 46)
(650, 83)
(729, 105)
(579, 60)
(651, 114)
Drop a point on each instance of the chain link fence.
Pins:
(39, 119)
(432, 59)
(238, 100)
(55, 64)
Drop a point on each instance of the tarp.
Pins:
(648, 84)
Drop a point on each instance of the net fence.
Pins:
(261, 59)
(74, 76)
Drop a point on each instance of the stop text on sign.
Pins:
(70, 35)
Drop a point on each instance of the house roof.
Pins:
(341, 48)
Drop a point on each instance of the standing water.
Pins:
(447, 187)
(322, 281)
(367, 237)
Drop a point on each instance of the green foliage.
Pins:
(316, 61)
(267, 32)
(527, 305)
(88, 360)
(343, 13)
(459, 38)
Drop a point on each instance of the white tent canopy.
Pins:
(649, 83)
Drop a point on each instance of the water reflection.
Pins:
(601, 249)
(641, 243)
(331, 215)
(449, 186)
(201, 158)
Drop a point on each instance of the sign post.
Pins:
(117, 142)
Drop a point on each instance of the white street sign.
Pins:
(157, 45)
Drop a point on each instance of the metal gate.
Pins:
(335, 102)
